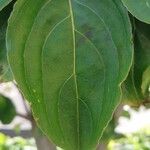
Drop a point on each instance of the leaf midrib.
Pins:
(74, 70)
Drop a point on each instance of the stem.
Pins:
(24, 116)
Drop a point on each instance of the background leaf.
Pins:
(4, 3)
(146, 82)
(136, 86)
(5, 73)
(139, 8)
(7, 110)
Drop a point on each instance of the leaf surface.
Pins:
(70, 64)
(4, 3)
(139, 8)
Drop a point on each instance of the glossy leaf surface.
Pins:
(139, 8)
(69, 61)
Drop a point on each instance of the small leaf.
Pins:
(7, 110)
(139, 8)
(69, 60)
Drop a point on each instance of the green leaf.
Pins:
(69, 60)
(4, 3)
(139, 8)
(146, 83)
(135, 88)
(7, 110)
(130, 94)
(142, 55)
(5, 74)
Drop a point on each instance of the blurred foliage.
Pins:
(7, 110)
(135, 141)
(136, 87)
(146, 82)
(5, 73)
(17, 143)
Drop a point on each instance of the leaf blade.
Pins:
(83, 54)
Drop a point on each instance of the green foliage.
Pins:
(70, 66)
(135, 141)
(136, 87)
(139, 8)
(7, 110)
(5, 73)
(4, 3)
(70, 58)
(146, 82)
(17, 143)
